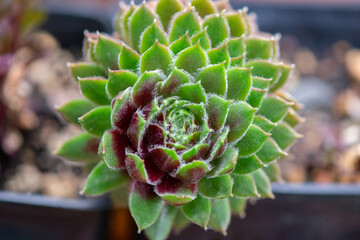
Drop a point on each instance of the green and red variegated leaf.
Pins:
(217, 187)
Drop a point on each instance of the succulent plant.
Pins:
(183, 102)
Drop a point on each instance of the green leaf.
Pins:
(238, 61)
(129, 59)
(191, 59)
(217, 28)
(225, 163)
(255, 97)
(85, 69)
(244, 186)
(198, 211)
(102, 180)
(239, 83)
(217, 187)
(192, 172)
(166, 9)
(270, 151)
(161, 228)
(265, 69)
(187, 21)
(263, 184)
(237, 23)
(204, 7)
(158, 57)
(248, 165)
(273, 108)
(252, 142)
(217, 109)
(143, 88)
(74, 109)
(144, 205)
(192, 92)
(97, 120)
(119, 81)
(260, 47)
(121, 21)
(180, 223)
(213, 79)
(151, 35)
(219, 55)
(141, 18)
(180, 44)
(286, 72)
(284, 135)
(171, 84)
(107, 51)
(236, 47)
(263, 123)
(238, 205)
(203, 37)
(293, 118)
(220, 215)
(82, 147)
(94, 89)
(261, 83)
(239, 118)
(273, 172)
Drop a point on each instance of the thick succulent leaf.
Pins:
(82, 147)
(261, 83)
(238, 61)
(192, 172)
(166, 9)
(204, 7)
(144, 205)
(107, 51)
(122, 109)
(198, 211)
(284, 135)
(192, 92)
(248, 165)
(180, 44)
(118, 81)
(203, 38)
(264, 123)
(97, 120)
(180, 222)
(165, 159)
(136, 130)
(158, 57)
(259, 47)
(175, 191)
(217, 109)
(175, 80)
(120, 195)
(74, 109)
(256, 97)
(155, 136)
(239, 83)
(286, 72)
(244, 186)
(186, 21)
(217, 187)
(219, 144)
(121, 21)
(293, 118)
(236, 47)
(129, 59)
(94, 89)
(252, 141)
(150, 35)
(224, 164)
(265, 69)
(263, 184)
(112, 148)
(273, 108)
(239, 118)
(270, 151)
(161, 228)
(141, 19)
(191, 59)
(143, 88)
(196, 152)
(237, 23)
(219, 55)
(238, 205)
(273, 172)
(86, 69)
(217, 28)
(220, 215)
(102, 180)
(213, 79)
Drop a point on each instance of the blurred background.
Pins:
(38, 38)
